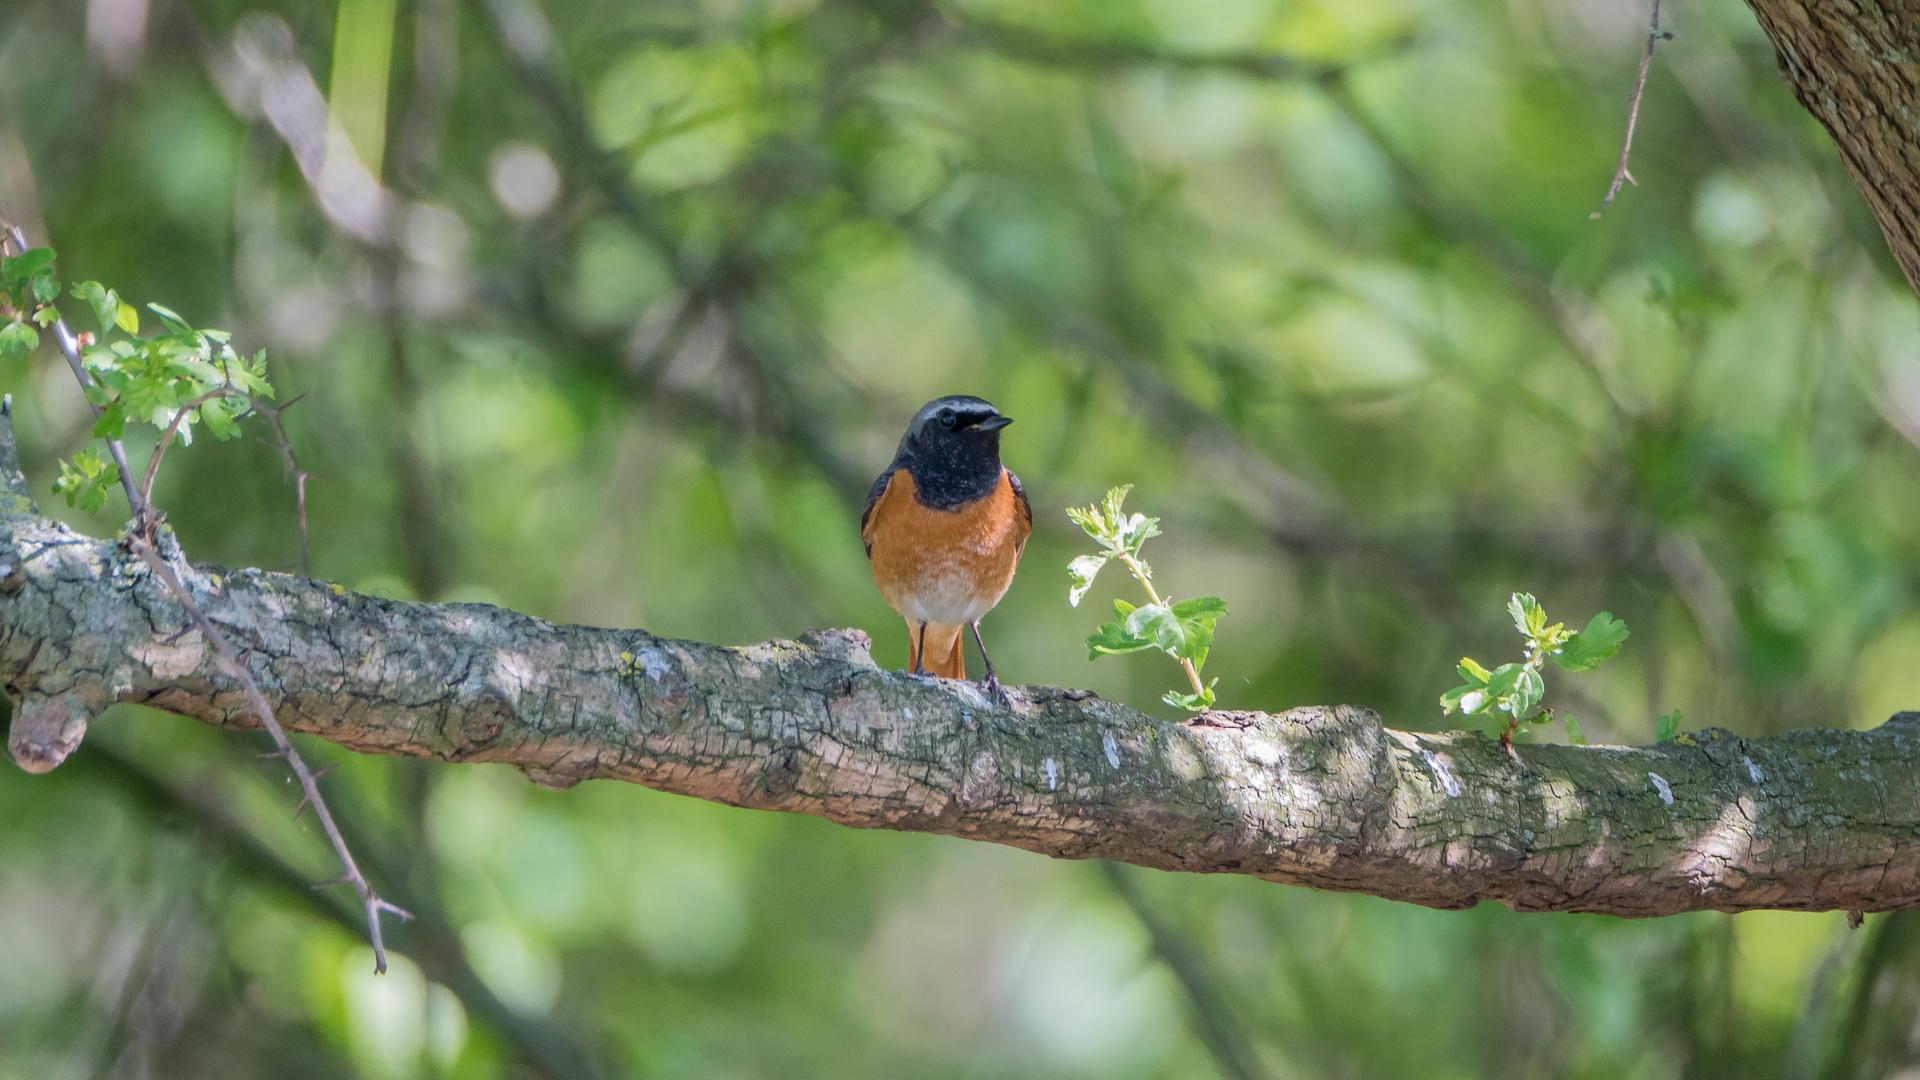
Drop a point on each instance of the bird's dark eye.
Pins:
(946, 417)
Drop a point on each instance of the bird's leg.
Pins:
(990, 685)
(920, 653)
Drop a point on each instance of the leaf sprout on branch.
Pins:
(1516, 689)
(171, 379)
(1182, 630)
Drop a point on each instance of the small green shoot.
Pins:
(172, 379)
(1516, 689)
(86, 479)
(1667, 728)
(1182, 630)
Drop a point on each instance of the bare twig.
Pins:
(70, 348)
(309, 780)
(166, 438)
(139, 543)
(1621, 175)
(290, 466)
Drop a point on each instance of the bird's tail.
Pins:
(945, 655)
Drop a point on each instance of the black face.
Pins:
(967, 417)
(952, 448)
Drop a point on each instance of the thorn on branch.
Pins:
(1621, 175)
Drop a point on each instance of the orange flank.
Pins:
(944, 568)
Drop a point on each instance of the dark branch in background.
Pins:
(429, 941)
(1213, 1018)
(1621, 175)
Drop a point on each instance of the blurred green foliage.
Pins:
(653, 288)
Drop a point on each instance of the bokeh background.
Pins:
(609, 311)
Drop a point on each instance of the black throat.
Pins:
(951, 469)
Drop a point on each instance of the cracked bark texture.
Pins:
(1855, 65)
(1320, 796)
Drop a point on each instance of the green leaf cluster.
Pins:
(1182, 630)
(27, 291)
(152, 379)
(86, 480)
(1119, 534)
(1516, 689)
(177, 377)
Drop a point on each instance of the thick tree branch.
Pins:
(1325, 797)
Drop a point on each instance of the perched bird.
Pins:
(944, 527)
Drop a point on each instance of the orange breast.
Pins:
(944, 566)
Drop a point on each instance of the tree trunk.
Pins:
(1856, 67)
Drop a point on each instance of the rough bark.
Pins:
(1318, 796)
(1855, 65)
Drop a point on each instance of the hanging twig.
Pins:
(309, 780)
(140, 542)
(1621, 175)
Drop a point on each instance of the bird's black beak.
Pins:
(995, 423)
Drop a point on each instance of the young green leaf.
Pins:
(1528, 616)
(112, 422)
(1585, 650)
(1113, 640)
(1668, 726)
(1503, 680)
(1156, 623)
(108, 309)
(1082, 571)
(85, 480)
(18, 272)
(1575, 736)
(1200, 607)
(18, 339)
(174, 322)
(1528, 689)
(1468, 699)
(1199, 702)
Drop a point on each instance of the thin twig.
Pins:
(1621, 175)
(166, 438)
(290, 466)
(70, 347)
(139, 544)
(309, 780)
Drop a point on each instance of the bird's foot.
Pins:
(996, 693)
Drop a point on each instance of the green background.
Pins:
(1318, 277)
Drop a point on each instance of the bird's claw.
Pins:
(996, 693)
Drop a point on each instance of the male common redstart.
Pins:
(944, 527)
